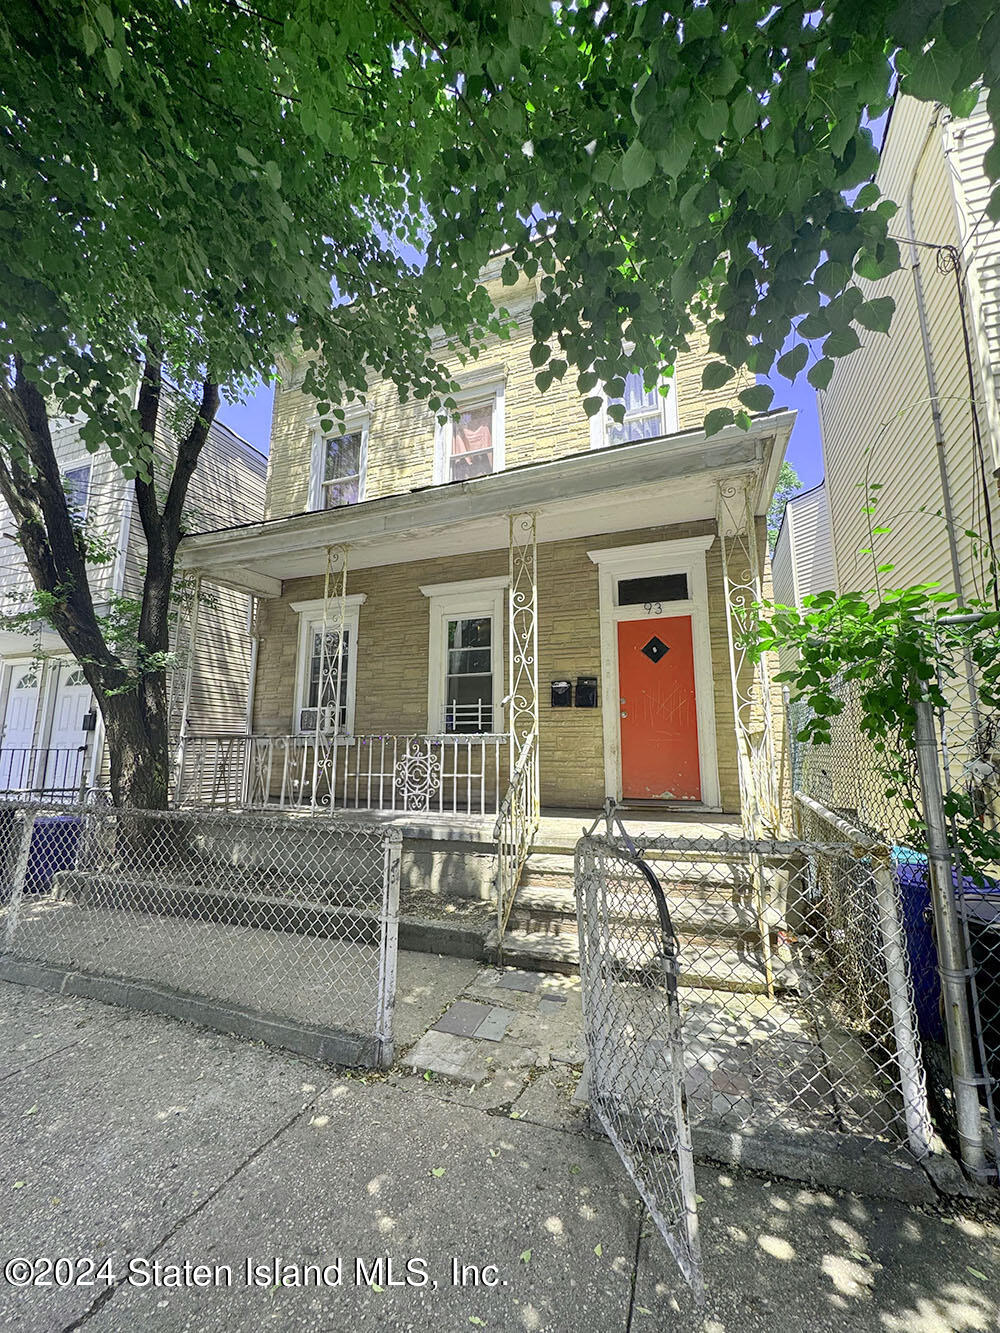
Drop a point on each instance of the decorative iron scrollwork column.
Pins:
(522, 643)
(331, 666)
(751, 686)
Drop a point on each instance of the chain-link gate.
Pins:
(270, 926)
(628, 971)
(737, 986)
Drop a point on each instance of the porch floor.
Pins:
(559, 828)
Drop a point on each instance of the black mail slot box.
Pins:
(586, 691)
(562, 694)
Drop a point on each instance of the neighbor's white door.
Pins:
(64, 765)
(19, 728)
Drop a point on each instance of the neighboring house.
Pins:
(802, 562)
(52, 740)
(426, 592)
(898, 412)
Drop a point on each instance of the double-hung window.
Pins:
(465, 680)
(327, 666)
(339, 467)
(471, 444)
(648, 413)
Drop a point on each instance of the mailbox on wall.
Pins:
(562, 693)
(586, 691)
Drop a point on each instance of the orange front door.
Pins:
(659, 722)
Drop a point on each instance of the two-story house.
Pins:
(52, 740)
(522, 604)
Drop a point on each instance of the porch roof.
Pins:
(643, 483)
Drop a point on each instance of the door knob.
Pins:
(624, 714)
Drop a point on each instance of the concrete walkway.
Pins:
(131, 1137)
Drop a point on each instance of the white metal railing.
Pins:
(516, 826)
(449, 773)
(42, 772)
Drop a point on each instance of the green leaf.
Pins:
(674, 152)
(437, 1171)
(794, 361)
(757, 398)
(713, 121)
(113, 61)
(718, 418)
(820, 373)
(877, 314)
(593, 405)
(106, 19)
(90, 39)
(598, 1250)
(525, 1256)
(638, 166)
(716, 374)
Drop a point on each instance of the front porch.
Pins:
(458, 664)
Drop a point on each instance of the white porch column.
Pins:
(522, 641)
(751, 686)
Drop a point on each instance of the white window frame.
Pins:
(685, 555)
(357, 421)
(310, 616)
(454, 601)
(81, 512)
(474, 393)
(600, 421)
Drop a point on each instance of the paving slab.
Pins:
(462, 1018)
(445, 1055)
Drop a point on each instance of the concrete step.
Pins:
(552, 908)
(704, 965)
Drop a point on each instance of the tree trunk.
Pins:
(132, 695)
(138, 747)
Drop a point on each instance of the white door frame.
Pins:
(685, 555)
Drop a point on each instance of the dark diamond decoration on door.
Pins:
(655, 649)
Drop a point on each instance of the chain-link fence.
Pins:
(795, 995)
(271, 926)
(935, 803)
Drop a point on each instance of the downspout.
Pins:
(932, 388)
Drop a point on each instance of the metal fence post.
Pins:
(17, 885)
(911, 1073)
(388, 947)
(951, 953)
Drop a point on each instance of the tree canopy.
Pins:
(215, 174)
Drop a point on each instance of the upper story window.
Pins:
(339, 466)
(648, 413)
(76, 481)
(472, 445)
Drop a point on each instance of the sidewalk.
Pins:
(127, 1136)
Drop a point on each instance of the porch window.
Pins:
(316, 694)
(469, 681)
(465, 663)
(339, 467)
(649, 413)
(322, 685)
(472, 444)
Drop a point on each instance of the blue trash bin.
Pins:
(979, 906)
(54, 843)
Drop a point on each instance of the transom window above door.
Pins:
(339, 467)
(471, 444)
(649, 413)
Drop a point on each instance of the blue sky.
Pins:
(252, 420)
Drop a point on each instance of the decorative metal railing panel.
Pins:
(451, 774)
(516, 826)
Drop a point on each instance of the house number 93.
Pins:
(653, 608)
